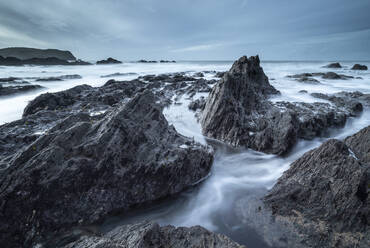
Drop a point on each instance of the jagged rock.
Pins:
(85, 168)
(151, 235)
(108, 61)
(333, 65)
(359, 67)
(24, 53)
(237, 111)
(197, 104)
(10, 90)
(220, 74)
(323, 196)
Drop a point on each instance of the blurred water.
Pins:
(235, 172)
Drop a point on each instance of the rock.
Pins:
(167, 61)
(333, 75)
(147, 61)
(88, 167)
(59, 78)
(333, 65)
(308, 76)
(197, 104)
(24, 53)
(10, 90)
(323, 196)
(359, 67)
(308, 80)
(119, 74)
(108, 61)
(238, 113)
(151, 235)
(9, 79)
(303, 91)
(198, 74)
(220, 74)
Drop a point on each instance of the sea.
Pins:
(237, 172)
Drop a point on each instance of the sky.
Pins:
(191, 29)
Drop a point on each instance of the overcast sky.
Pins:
(191, 29)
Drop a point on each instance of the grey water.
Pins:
(236, 173)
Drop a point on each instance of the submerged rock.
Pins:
(323, 196)
(359, 67)
(151, 235)
(119, 74)
(85, 168)
(333, 65)
(108, 61)
(59, 78)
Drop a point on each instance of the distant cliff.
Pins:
(24, 53)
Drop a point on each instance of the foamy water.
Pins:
(235, 172)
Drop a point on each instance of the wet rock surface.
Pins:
(323, 197)
(87, 167)
(359, 67)
(108, 61)
(333, 65)
(148, 234)
(199, 103)
(309, 77)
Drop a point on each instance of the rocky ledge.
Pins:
(238, 111)
(108, 61)
(86, 167)
(151, 235)
(324, 196)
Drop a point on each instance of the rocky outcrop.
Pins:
(151, 235)
(167, 61)
(119, 74)
(237, 111)
(87, 167)
(323, 196)
(359, 67)
(24, 53)
(333, 65)
(197, 104)
(308, 77)
(108, 61)
(10, 90)
(147, 61)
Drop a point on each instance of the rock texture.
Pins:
(108, 61)
(11, 90)
(333, 65)
(324, 195)
(151, 235)
(87, 167)
(359, 67)
(24, 53)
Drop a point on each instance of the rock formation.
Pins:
(324, 195)
(108, 61)
(359, 67)
(333, 65)
(87, 167)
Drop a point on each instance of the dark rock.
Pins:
(24, 53)
(9, 79)
(10, 90)
(147, 61)
(359, 67)
(303, 91)
(119, 74)
(197, 104)
(59, 78)
(151, 235)
(220, 74)
(328, 75)
(167, 61)
(108, 61)
(333, 65)
(333, 75)
(324, 194)
(198, 74)
(238, 113)
(308, 80)
(86, 168)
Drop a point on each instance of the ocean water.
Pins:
(236, 173)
